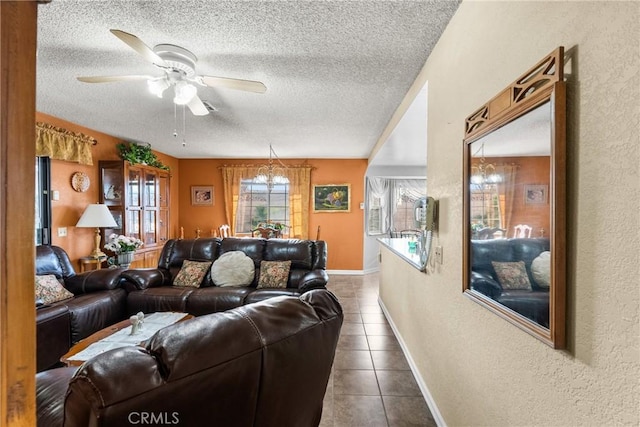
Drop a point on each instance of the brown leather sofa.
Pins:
(104, 297)
(263, 364)
(98, 302)
(150, 290)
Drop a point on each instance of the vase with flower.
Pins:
(124, 247)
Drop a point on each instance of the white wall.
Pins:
(479, 369)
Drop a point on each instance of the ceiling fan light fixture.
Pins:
(158, 86)
(184, 93)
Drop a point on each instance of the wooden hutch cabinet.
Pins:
(138, 197)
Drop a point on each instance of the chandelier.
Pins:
(484, 173)
(271, 174)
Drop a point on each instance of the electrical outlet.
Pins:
(438, 254)
(62, 231)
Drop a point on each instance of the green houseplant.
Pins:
(139, 154)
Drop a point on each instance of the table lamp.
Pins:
(96, 216)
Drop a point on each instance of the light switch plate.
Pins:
(438, 254)
(62, 231)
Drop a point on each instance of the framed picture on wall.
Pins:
(332, 198)
(202, 195)
(536, 194)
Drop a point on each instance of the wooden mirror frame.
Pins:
(542, 83)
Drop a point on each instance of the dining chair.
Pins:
(224, 230)
(409, 233)
(522, 231)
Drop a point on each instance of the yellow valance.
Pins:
(61, 144)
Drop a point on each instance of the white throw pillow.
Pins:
(233, 268)
(541, 269)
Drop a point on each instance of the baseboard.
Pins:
(346, 272)
(372, 270)
(437, 416)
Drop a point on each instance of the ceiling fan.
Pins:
(178, 65)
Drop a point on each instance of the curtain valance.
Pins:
(61, 144)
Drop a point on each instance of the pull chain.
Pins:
(184, 127)
(175, 121)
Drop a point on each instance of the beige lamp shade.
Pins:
(96, 216)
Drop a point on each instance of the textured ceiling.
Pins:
(335, 71)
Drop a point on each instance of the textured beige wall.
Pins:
(479, 369)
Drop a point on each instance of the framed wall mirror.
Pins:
(514, 202)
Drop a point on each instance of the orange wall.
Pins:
(342, 231)
(67, 210)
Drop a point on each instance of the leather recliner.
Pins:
(262, 364)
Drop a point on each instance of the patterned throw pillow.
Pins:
(233, 268)
(191, 274)
(512, 275)
(274, 274)
(50, 290)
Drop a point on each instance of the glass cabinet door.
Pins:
(163, 185)
(112, 186)
(150, 189)
(133, 188)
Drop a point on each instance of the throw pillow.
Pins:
(191, 274)
(274, 274)
(233, 268)
(512, 275)
(50, 290)
(541, 269)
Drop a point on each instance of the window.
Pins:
(257, 205)
(485, 206)
(391, 204)
(406, 194)
(43, 201)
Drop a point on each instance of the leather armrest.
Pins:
(315, 279)
(485, 284)
(92, 281)
(143, 278)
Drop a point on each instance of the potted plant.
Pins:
(139, 154)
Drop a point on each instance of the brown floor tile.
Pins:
(344, 292)
(352, 359)
(353, 318)
(373, 308)
(349, 305)
(353, 342)
(390, 359)
(407, 411)
(396, 383)
(352, 329)
(354, 382)
(374, 318)
(383, 342)
(378, 329)
(366, 301)
(359, 411)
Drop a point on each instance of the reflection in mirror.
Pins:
(514, 203)
(510, 216)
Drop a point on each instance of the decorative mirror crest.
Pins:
(514, 202)
(541, 76)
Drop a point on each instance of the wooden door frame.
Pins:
(18, 35)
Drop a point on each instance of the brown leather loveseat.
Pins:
(151, 290)
(98, 302)
(263, 364)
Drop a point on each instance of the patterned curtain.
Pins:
(299, 195)
(61, 144)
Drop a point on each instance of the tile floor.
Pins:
(371, 384)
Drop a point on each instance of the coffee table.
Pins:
(118, 335)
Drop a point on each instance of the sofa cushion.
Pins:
(50, 290)
(512, 275)
(192, 273)
(541, 269)
(233, 268)
(274, 274)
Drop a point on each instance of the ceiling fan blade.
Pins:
(107, 79)
(247, 85)
(197, 107)
(138, 45)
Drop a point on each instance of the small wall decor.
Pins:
(202, 195)
(332, 198)
(80, 182)
(536, 194)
